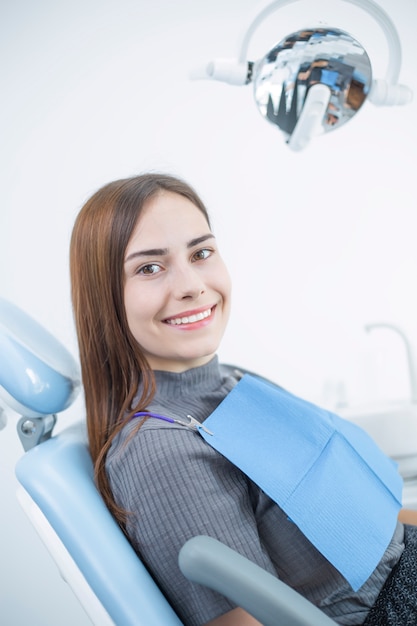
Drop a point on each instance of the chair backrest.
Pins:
(58, 477)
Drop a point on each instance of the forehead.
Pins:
(168, 216)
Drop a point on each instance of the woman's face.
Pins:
(177, 288)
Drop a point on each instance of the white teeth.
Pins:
(190, 319)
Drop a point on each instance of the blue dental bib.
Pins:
(326, 473)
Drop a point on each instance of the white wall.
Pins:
(319, 243)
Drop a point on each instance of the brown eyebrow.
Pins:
(164, 251)
(198, 240)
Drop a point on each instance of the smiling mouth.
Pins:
(189, 319)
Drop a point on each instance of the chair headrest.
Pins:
(38, 376)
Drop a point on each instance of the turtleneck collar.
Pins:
(204, 378)
(197, 391)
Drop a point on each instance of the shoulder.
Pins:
(162, 457)
(157, 447)
(153, 439)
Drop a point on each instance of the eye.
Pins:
(149, 270)
(202, 254)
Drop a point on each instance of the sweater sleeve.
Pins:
(175, 486)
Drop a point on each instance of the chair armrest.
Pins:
(206, 561)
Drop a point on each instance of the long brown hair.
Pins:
(112, 363)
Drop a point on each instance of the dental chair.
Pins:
(38, 379)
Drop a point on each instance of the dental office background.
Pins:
(320, 243)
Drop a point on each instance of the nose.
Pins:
(187, 283)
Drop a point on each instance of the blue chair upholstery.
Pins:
(58, 476)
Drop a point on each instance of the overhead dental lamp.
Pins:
(316, 79)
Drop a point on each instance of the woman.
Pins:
(151, 299)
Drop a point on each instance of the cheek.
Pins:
(141, 306)
(133, 308)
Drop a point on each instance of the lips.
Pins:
(189, 319)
